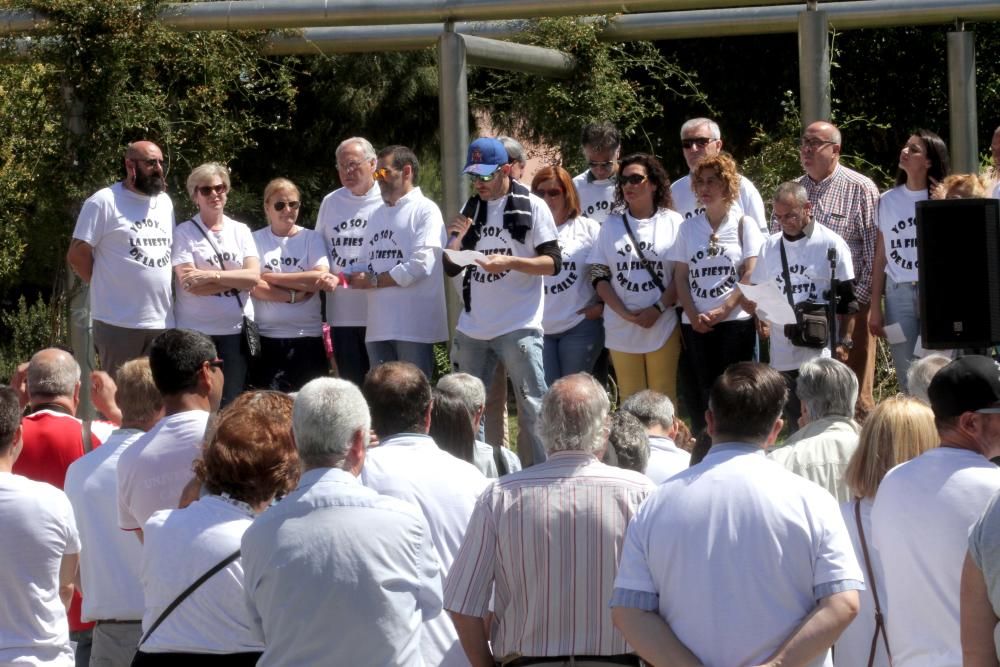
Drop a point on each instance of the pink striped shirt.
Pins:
(547, 541)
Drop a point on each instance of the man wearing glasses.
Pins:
(845, 202)
(501, 317)
(342, 220)
(701, 138)
(121, 246)
(596, 186)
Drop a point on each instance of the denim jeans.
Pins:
(286, 364)
(349, 352)
(902, 308)
(234, 369)
(521, 352)
(574, 350)
(420, 355)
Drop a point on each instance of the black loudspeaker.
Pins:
(958, 251)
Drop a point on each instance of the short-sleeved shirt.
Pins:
(714, 269)
(570, 290)
(216, 314)
(511, 300)
(897, 220)
(687, 204)
(786, 534)
(343, 217)
(303, 251)
(132, 236)
(984, 550)
(597, 197)
(631, 281)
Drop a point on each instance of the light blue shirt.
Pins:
(337, 574)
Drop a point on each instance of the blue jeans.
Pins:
(286, 364)
(349, 353)
(521, 352)
(574, 350)
(902, 308)
(234, 369)
(420, 355)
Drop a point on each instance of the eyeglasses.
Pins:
(813, 144)
(150, 161)
(555, 192)
(714, 248)
(791, 217)
(485, 179)
(207, 190)
(700, 142)
(988, 411)
(634, 179)
(350, 166)
(381, 173)
(601, 165)
(292, 205)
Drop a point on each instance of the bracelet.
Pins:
(292, 292)
(218, 276)
(659, 307)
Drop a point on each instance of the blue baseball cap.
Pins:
(485, 156)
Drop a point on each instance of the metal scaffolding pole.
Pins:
(518, 57)
(814, 66)
(962, 101)
(374, 39)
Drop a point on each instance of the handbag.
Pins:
(879, 618)
(811, 328)
(250, 343)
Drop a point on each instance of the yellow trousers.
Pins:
(656, 370)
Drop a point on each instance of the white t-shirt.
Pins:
(341, 222)
(153, 471)
(218, 314)
(570, 290)
(38, 529)
(686, 203)
(405, 241)
(181, 545)
(666, 459)
(632, 282)
(809, 270)
(109, 564)
(923, 511)
(996, 191)
(785, 533)
(713, 277)
(131, 235)
(897, 220)
(512, 300)
(304, 251)
(597, 198)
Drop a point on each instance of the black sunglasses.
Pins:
(701, 142)
(207, 190)
(292, 205)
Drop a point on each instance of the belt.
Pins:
(114, 621)
(621, 659)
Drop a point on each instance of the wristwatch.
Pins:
(659, 306)
(847, 343)
(373, 280)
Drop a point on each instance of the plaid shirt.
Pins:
(847, 203)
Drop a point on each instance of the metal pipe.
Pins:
(518, 57)
(962, 101)
(22, 20)
(371, 39)
(814, 67)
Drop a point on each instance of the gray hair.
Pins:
(713, 128)
(627, 437)
(651, 408)
(53, 372)
(366, 147)
(468, 388)
(827, 387)
(792, 190)
(574, 415)
(327, 414)
(204, 172)
(515, 151)
(921, 372)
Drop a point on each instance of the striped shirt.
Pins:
(546, 541)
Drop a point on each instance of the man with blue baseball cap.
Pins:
(502, 293)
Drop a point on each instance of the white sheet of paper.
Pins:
(771, 302)
(894, 334)
(920, 351)
(464, 257)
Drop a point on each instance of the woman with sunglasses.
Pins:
(216, 264)
(715, 249)
(923, 164)
(292, 261)
(572, 319)
(633, 275)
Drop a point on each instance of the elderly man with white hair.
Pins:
(492, 460)
(561, 523)
(656, 412)
(362, 564)
(822, 448)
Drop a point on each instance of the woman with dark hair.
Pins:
(451, 426)
(923, 164)
(632, 274)
(248, 460)
(574, 330)
(715, 249)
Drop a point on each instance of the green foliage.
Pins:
(626, 84)
(29, 329)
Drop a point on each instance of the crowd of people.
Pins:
(280, 516)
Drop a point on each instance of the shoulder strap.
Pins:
(784, 273)
(188, 591)
(218, 255)
(642, 258)
(87, 431)
(879, 619)
(500, 461)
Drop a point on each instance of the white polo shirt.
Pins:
(666, 459)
